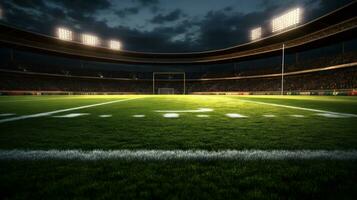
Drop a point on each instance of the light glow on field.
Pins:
(64, 34)
(90, 40)
(286, 20)
(114, 44)
(256, 33)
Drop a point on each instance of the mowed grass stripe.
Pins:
(162, 155)
(33, 107)
(63, 110)
(188, 132)
(38, 99)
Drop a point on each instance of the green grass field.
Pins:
(139, 123)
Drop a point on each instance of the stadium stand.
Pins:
(345, 78)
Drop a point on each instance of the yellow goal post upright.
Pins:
(154, 74)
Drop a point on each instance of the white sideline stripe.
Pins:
(299, 108)
(63, 110)
(162, 155)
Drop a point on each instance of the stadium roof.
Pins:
(337, 25)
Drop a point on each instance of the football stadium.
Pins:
(87, 115)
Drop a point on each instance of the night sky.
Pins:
(159, 25)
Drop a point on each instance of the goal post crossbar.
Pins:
(168, 73)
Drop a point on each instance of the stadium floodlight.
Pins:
(287, 20)
(114, 44)
(256, 33)
(90, 40)
(64, 34)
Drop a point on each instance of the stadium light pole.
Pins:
(285, 21)
(282, 69)
(184, 83)
(153, 83)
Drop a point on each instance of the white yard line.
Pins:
(171, 115)
(269, 116)
(297, 116)
(139, 116)
(105, 116)
(235, 115)
(162, 155)
(63, 110)
(330, 115)
(299, 108)
(202, 116)
(200, 110)
(71, 115)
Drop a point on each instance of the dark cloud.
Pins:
(133, 39)
(221, 29)
(149, 41)
(127, 11)
(27, 3)
(147, 2)
(218, 28)
(154, 9)
(228, 9)
(328, 5)
(83, 6)
(170, 17)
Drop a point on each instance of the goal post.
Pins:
(154, 79)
